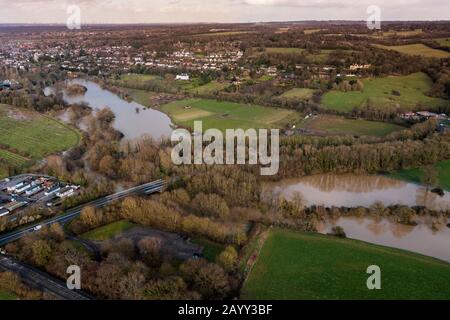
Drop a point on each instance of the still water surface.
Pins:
(132, 119)
(427, 238)
(359, 190)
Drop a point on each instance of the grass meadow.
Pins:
(226, 115)
(303, 266)
(379, 92)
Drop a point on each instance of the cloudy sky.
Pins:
(153, 11)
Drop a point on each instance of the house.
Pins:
(355, 67)
(14, 206)
(24, 188)
(16, 185)
(66, 192)
(427, 115)
(4, 212)
(182, 77)
(52, 190)
(33, 190)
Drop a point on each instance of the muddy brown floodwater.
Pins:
(428, 237)
(359, 190)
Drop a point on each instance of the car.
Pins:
(37, 228)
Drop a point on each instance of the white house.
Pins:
(182, 77)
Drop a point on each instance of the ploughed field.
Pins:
(405, 91)
(27, 135)
(226, 115)
(311, 266)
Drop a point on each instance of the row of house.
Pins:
(422, 116)
(19, 192)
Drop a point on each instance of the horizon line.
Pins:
(210, 22)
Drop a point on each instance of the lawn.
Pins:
(443, 42)
(138, 78)
(134, 80)
(403, 33)
(224, 33)
(108, 231)
(417, 49)
(34, 134)
(209, 88)
(298, 93)
(210, 249)
(378, 92)
(226, 115)
(7, 296)
(415, 174)
(340, 126)
(311, 266)
(311, 31)
(12, 158)
(141, 96)
(320, 57)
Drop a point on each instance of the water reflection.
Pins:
(423, 238)
(358, 190)
(131, 123)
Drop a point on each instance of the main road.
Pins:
(42, 281)
(148, 188)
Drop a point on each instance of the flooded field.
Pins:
(429, 237)
(359, 190)
(423, 238)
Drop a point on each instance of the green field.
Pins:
(340, 126)
(415, 175)
(7, 296)
(141, 96)
(378, 92)
(298, 93)
(210, 249)
(33, 133)
(226, 115)
(310, 266)
(12, 158)
(417, 49)
(311, 31)
(222, 34)
(138, 78)
(134, 80)
(443, 42)
(108, 231)
(194, 87)
(314, 58)
(402, 33)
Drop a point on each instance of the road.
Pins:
(73, 213)
(41, 280)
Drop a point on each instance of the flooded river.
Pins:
(424, 239)
(427, 238)
(359, 190)
(132, 119)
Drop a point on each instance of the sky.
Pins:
(179, 11)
